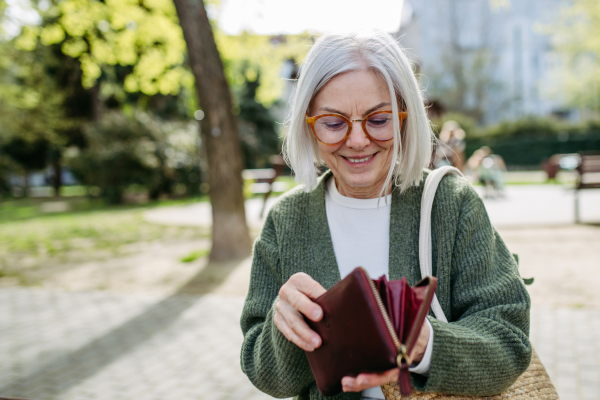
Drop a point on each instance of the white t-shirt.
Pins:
(360, 232)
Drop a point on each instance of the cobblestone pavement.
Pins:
(99, 345)
(102, 345)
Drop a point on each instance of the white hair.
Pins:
(335, 54)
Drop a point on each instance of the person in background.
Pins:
(490, 170)
(450, 149)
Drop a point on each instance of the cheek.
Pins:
(387, 152)
(327, 152)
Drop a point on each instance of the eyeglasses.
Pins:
(335, 128)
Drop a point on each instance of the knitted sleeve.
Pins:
(485, 347)
(273, 364)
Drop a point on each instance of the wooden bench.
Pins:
(264, 179)
(589, 176)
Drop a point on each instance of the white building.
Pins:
(486, 57)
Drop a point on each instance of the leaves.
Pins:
(145, 35)
(248, 54)
(576, 36)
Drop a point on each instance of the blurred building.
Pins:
(486, 58)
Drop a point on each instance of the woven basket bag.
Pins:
(534, 383)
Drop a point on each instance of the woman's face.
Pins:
(355, 95)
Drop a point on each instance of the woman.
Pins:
(358, 111)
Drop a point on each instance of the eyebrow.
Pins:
(369, 111)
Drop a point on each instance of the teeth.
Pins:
(357, 160)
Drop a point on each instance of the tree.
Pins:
(145, 38)
(32, 114)
(219, 133)
(576, 37)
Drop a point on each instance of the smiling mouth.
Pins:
(355, 160)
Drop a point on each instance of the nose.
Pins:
(357, 139)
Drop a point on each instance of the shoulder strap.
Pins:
(430, 187)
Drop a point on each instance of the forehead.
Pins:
(352, 91)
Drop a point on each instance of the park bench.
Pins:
(264, 178)
(560, 162)
(589, 176)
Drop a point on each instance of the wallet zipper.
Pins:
(400, 348)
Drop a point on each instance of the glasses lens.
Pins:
(380, 126)
(331, 129)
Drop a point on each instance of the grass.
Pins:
(92, 230)
(193, 256)
(25, 208)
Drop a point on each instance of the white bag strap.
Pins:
(425, 259)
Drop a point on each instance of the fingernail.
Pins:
(315, 341)
(316, 314)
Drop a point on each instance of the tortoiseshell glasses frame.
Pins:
(311, 121)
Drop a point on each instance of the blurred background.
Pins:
(128, 126)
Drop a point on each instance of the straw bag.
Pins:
(534, 383)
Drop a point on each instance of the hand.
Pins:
(295, 297)
(366, 381)
(419, 348)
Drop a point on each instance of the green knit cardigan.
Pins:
(481, 351)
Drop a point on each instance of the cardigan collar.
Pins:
(404, 235)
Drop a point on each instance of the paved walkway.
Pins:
(99, 345)
(523, 205)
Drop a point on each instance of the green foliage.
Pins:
(124, 151)
(530, 141)
(35, 122)
(88, 56)
(145, 35)
(528, 127)
(193, 256)
(468, 124)
(246, 56)
(75, 236)
(31, 102)
(576, 36)
(257, 127)
(32, 155)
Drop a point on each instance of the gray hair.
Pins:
(335, 54)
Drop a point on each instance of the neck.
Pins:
(370, 192)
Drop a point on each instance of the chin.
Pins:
(360, 180)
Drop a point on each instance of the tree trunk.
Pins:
(97, 107)
(57, 177)
(219, 134)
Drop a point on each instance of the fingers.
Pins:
(366, 381)
(298, 292)
(295, 299)
(307, 285)
(290, 322)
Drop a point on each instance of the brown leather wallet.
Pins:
(368, 326)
